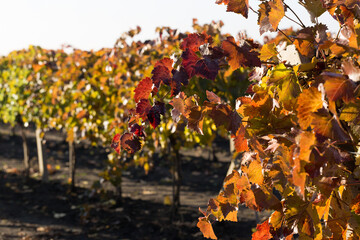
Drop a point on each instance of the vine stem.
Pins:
(274, 63)
(338, 33)
(302, 24)
(278, 29)
(293, 21)
(254, 10)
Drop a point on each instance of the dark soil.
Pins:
(30, 209)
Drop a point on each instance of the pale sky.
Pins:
(90, 24)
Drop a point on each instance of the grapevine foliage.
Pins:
(297, 131)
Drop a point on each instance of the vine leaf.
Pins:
(254, 172)
(263, 19)
(355, 205)
(212, 97)
(268, 51)
(195, 119)
(262, 231)
(143, 108)
(194, 40)
(193, 65)
(236, 6)
(143, 89)
(137, 130)
(351, 70)
(309, 101)
(205, 227)
(327, 126)
(241, 144)
(304, 42)
(338, 87)
(350, 112)
(243, 56)
(162, 72)
(314, 7)
(127, 141)
(276, 13)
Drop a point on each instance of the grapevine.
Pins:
(296, 132)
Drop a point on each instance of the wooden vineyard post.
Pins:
(26, 151)
(72, 164)
(42, 161)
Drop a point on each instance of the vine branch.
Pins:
(302, 24)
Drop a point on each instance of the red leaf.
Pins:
(243, 56)
(143, 89)
(154, 114)
(179, 78)
(206, 67)
(262, 231)
(162, 72)
(142, 108)
(194, 40)
(115, 144)
(137, 130)
(130, 143)
(189, 60)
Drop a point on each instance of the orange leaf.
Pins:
(241, 144)
(254, 172)
(276, 13)
(308, 102)
(327, 126)
(243, 56)
(355, 206)
(236, 6)
(143, 89)
(338, 87)
(262, 231)
(307, 141)
(205, 227)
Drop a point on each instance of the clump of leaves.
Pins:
(297, 130)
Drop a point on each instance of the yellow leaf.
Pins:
(268, 51)
(254, 172)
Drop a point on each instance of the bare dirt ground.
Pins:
(30, 209)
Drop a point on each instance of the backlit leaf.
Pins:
(262, 231)
(242, 56)
(309, 101)
(276, 12)
(236, 6)
(143, 89)
(193, 41)
(205, 227)
(162, 72)
(268, 51)
(254, 172)
(241, 144)
(212, 97)
(130, 143)
(338, 87)
(142, 108)
(327, 126)
(351, 70)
